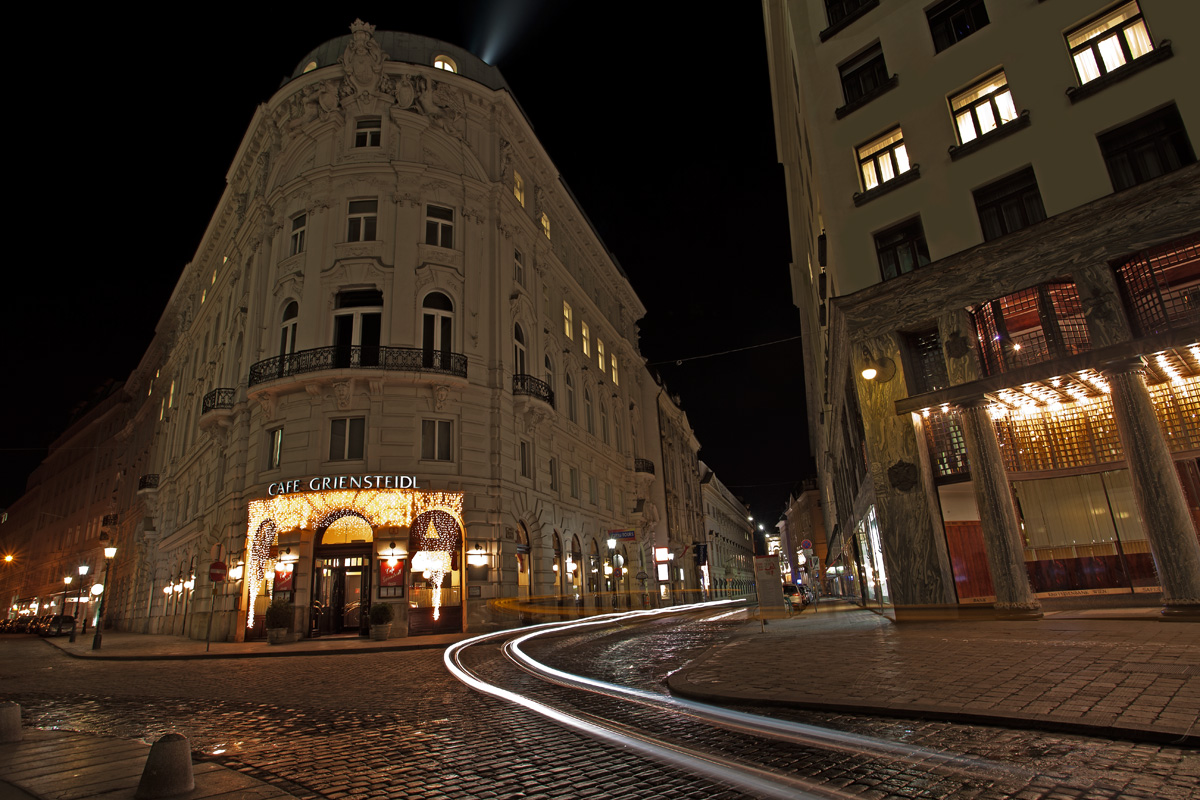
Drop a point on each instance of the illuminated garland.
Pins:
(434, 550)
(398, 508)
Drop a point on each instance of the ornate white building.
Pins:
(401, 368)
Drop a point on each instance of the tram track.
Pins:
(754, 754)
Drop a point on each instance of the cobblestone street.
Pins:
(407, 729)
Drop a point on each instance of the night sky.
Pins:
(659, 120)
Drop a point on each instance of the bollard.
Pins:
(168, 768)
(10, 722)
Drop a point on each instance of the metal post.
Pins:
(100, 616)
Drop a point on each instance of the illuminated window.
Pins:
(361, 220)
(519, 188)
(367, 132)
(439, 226)
(274, 448)
(568, 320)
(613, 361)
(983, 108)
(954, 20)
(883, 159)
(171, 396)
(346, 436)
(310, 66)
(446, 63)
(1009, 204)
(546, 225)
(600, 353)
(587, 342)
(435, 440)
(901, 249)
(299, 222)
(1109, 42)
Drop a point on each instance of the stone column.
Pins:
(997, 517)
(1156, 488)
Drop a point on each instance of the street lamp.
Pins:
(83, 571)
(110, 552)
(67, 580)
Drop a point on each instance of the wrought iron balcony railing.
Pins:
(529, 385)
(396, 359)
(217, 398)
(108, 520)
(643, 465)
(148, 482)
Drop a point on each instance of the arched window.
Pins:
(617, 429)
(603, 422)
(287, 331)
(518, 350)
(550, 373)
(437, 330)
(570, 384)
(445, 62)
(357, 323)
(589, 418)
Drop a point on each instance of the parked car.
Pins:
(793, 595)
(21, 625)
(56, 625)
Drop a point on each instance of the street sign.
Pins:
(641, 576)
(806, 544)
(216, 571)
(622, 535)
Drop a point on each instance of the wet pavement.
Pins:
(393, 723)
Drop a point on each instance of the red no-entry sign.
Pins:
(216, 571)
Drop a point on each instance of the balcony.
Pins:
(644, 466)
(529, 386)
(388, 359)
(217, 399)
(148, 483)
(109, 521)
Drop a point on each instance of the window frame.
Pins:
(274, 448)
(970, 107)
(545, 220)
(918, 243)
(439, 227)
(362, 224)
(518, 267)
(298, 234)
(1092, 43)
(869, 63)
(947, 10)
(600, 354)
(349, 431)
(1163, 128)
(585, 338)
(437, 440)
(1019, 187)
(519, 188)
(876, 149)
(367, 134)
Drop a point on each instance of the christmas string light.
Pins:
(398, 508)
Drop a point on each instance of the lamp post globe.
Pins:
(110, 552)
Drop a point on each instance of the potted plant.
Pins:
(280, 616)
(381, 621)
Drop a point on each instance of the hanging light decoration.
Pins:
(398, 508)
(434, 550)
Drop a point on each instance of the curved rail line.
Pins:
(743, 776)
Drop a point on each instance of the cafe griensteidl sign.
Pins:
(327, 483)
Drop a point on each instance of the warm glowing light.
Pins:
(661, 553)
(97, 589)
(478, 558)
(397, 508)
(869, 373)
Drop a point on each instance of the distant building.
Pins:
(805, 522)
(996, 253)
(401, 368)
(728, 567)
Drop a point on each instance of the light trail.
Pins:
(743, 776)
(752, 780)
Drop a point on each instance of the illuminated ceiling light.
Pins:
(883, 369)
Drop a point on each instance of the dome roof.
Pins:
(410, 49)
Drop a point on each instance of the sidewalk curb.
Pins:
(274, 652)
(678, 685)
